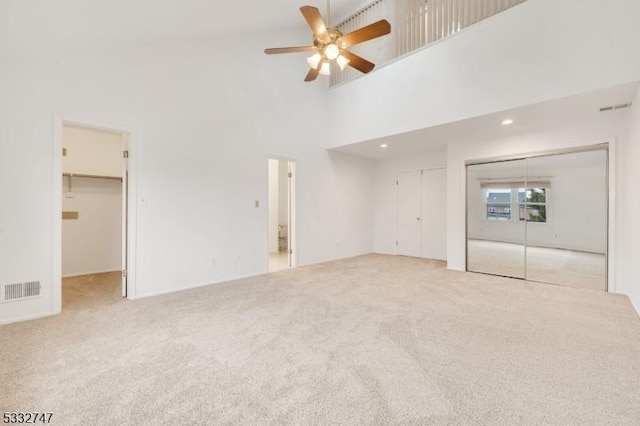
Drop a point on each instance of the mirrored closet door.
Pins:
(542, 218)
(495, 235)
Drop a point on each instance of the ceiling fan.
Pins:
(329, 44)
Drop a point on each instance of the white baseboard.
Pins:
(28, 317)
(452, 268)
(332, 259)
(81, 274)
(191, 287)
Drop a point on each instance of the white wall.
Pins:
(93, 242)
(628, 207)
(386, 173)
(534, 52)
(204, 117)
(337, 199)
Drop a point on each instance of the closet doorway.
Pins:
(94, 215)
(281, 214)
(422, 214)
(541, 218)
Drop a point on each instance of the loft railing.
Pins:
(414, 24)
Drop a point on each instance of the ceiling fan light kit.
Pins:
(314, 60)
(330, 45)
(331, 51)
(325, 69)
(342, 62)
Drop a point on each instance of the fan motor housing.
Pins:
(334, 37)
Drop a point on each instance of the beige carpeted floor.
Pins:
(368, 340)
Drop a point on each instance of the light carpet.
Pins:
(368, 340)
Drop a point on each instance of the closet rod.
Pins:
(80, 175)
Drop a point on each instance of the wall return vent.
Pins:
(614, 107)
(19, 291)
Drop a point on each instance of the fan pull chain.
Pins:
(329, 13)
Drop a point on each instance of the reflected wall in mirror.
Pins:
(569, 247)
(495, 233)
(541, 218)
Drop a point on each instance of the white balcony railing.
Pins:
(414, 24)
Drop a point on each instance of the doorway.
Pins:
(94, 211)
(281, 214)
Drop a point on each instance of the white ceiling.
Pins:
(527, 119)
(36, 26)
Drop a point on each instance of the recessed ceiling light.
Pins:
(384, 145)
(507, 122)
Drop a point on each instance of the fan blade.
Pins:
(358, 62)
(314, 19)
(277, 50)
(312, 75)
(375, 30)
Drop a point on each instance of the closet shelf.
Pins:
(81, 175)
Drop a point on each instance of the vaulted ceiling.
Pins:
(35, 26)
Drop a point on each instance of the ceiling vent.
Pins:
(614, 107)
(19, 291)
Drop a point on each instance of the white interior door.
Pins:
(291, 213)
(125, 209)
(273, 206)
(409, 219)
(434, 214)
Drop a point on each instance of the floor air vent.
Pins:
(20, 291)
